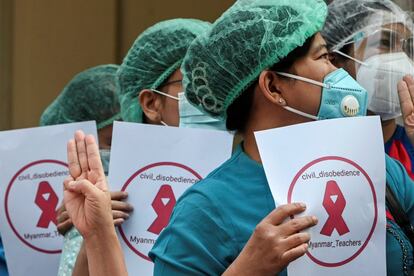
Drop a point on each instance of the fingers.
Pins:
(406, 101)
(118, 222)
(82, 187)
(295, 253)
(296, 240)
(62, 217)
(119, 195)
(297, 224)
(64, 227)
(410, 83)
(281, 213)
(73, 162)
(66, 182)
(81, 151)
(119, 215)
(93, 158)
(122, 206)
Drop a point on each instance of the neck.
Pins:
(250, 146)
(388, 129)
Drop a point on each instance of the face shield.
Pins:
(383, 54)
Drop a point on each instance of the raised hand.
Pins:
(406, 96)
(86, 196)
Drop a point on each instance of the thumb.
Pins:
(81, 187)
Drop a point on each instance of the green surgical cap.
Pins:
(154, 56)
(349, 18)
(90, 95)
(248, 38)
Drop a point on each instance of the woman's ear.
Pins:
(151, 105)
(272, 87)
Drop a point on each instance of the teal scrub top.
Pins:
(213, 220)
(3, 266)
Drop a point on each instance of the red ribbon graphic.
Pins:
(334, 210)
(163, 210)
(48, 206)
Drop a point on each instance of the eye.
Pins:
(324, 56)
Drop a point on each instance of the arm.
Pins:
(88, 203)
(81, 265)
(104, 253)
(120, 212)
(197, 241)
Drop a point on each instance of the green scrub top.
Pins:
(213, 220)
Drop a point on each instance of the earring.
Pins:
(281, 101)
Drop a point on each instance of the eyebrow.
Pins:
(171, 82)
(319, 48)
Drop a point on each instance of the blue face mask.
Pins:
(190, 116)
(342, 96)
(105, 156)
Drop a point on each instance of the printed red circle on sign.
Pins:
(6, 204)
(371, 186)
(131, 179)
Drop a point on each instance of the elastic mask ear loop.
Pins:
(317, 83)
(351, 58)
(164, 94)
(314, 82)
(294, 110)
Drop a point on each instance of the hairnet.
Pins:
(90, 95)
(348, 19)
(153, 57)
(248, 38)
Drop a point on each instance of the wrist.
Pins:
(104, 235)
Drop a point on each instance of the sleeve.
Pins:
(196, 242)
(3, 267)
(402, 185)
(71, 246)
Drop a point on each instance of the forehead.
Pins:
(400, 28)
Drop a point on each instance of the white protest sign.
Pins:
(336, 167)
(155, 165)
(33, 167)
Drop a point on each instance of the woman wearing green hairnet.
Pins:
(373, 41)
(90, 95)
(261, 66)
(150, 81)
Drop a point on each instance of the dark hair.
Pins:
(239, 111)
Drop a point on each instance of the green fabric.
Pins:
(213, 220)
(348, 18)
(153, 57)
(248, 38)
(72, 244)
(90, 95)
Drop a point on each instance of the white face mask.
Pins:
(380, 75)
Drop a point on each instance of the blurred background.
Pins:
(44, 43)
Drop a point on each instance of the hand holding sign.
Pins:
(275, 242)
(86, 195)
(406, 96)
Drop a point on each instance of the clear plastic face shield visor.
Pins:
(382, 54)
